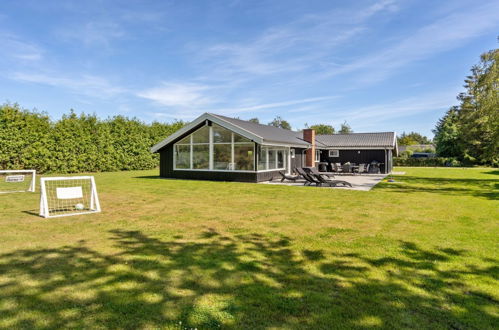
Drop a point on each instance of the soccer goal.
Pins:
(63, 196)
(17, 181)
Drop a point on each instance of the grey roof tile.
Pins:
(381, 139)
(268, 133)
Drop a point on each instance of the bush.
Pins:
(435, 161)
(84, 143)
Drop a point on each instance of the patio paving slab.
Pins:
(359, 182)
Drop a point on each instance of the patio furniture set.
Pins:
(311, 176)
(349, 168)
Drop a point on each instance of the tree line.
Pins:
(77, 143)
(320, 129)
(470, 130)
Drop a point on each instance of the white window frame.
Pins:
(277, 149)
(292, 153)
(317, 155)
(211, 155)
(334, 153)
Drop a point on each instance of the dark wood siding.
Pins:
(267, 176)
(299, 160)
(360, 156)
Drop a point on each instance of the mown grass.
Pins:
(420, 253)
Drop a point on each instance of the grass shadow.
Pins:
(245, 281)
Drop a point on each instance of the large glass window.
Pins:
(202, 135)
(225, 151)
(222, 156)
(262, 159)
(183, 156)
(186, 140)
(221, 135)
(201, 156)
(272, 158)
(240, 139)
(244, 157)
(280, 158)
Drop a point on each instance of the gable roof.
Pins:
(265, 134)
(270, 134)
(258, 133)
(358, 140)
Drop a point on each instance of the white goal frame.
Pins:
(31, 186)
(44, 207)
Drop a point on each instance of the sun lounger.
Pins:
(288, 177)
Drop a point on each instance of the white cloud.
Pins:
(93, 33)
(369, 117)
(185, 95)
(89, 85)
(293, 47)
(19, 49)
(444, 34)
(271, 105)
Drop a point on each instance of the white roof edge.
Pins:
(199, 120)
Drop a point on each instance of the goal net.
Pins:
(17, 181)
(63, 196)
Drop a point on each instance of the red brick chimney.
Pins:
(309, 136)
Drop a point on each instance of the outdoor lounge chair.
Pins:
(288, 177)
(309, 179)
(331, 183)
(313, 170)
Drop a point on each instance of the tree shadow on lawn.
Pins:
(485, 188)
(246, 281)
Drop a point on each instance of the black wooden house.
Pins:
(215, 147)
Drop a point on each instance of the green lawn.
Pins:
(421, 253)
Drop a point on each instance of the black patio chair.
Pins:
(313, 170)
(331, 183)
(322, 167)
(288, 177)
(308, 178)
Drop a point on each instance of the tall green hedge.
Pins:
(429, 162)
(77, 143)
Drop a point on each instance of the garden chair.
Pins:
(313, 170)
(288, 177)
(331, 183)
(308, 178)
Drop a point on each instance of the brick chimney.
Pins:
(309, 136)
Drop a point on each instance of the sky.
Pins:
(379, 65)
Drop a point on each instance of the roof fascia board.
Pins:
(356, 148)
(280, 144)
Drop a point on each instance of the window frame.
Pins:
(277, 149)
(334, 153)
(211, 145)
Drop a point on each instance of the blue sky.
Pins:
(382, 65)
